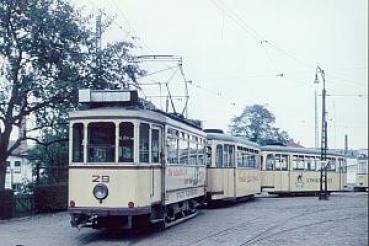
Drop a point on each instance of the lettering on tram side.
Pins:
(102, 178)
(187, 193)
(247, 178)
(317, 180)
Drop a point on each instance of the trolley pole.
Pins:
(323, 194)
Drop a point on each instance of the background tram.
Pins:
(131, 164)
(233, 167)
(297, 170)
(361, 177)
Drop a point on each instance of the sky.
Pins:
(234, 50)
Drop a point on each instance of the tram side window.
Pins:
(219, 156)
(126, 142)
(298, 162)
(144, 142)
(281, 162)
(200, 152)
(208, 156)
(193, 151)
(331, 164)
(101, 142)
(155, 148)
(183, 149)
(229, 155)
(172, 146)
(77, 142)
(269, 162)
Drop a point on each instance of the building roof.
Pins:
(21, 150)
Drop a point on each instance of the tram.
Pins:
(361, 179)
(131, 163)
(297, 170)
(233, 167)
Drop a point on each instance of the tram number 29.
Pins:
(100, 178)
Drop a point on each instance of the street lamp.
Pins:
(324, 137)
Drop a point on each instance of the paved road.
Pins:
(342, 220)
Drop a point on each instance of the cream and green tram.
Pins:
(233, 167)
(297, 170)
(130, 164)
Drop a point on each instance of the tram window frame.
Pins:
(183, 149)
(281, 163)
(172, 145)
(219, 155)
(126, 143)
(298, 162)
(155, 154)
(200, 151)
(192, 150)
(332, 165)
(144, 142)
(269, 162)
(309, 163)
(100, 151)
(208, 156)
(81, 143)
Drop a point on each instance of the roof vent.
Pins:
(220, 131)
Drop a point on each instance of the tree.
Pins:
(256, 124)
(47, 52)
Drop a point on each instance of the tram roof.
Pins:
(298, 150)
(108, 112)
(230, 138)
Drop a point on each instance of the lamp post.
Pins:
(324, 137)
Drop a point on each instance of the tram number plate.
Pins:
(102, 178)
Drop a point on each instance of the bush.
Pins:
(50, 197)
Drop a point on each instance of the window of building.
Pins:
(101, 142)
(144, 142)
(77, 149)
(219, 156)
(172, 146)
(17, 166)
(126, 142)
(155, 145)
(8, 166)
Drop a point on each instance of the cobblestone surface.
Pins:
(342, 220)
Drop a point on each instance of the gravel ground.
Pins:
(342, 220)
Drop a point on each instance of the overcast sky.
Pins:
(222, 54)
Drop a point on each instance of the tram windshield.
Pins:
(101, 142)
(126, 142)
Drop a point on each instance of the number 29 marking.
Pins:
(102, 178)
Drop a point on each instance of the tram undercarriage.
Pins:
(135, 218)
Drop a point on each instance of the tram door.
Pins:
(229, 175)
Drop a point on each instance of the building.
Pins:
(18, 168)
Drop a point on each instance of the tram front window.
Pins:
(126, 140)
(101, 142)
(77, 142)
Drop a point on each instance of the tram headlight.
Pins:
(100, 191)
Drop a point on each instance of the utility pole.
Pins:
(323, 195)
(316, 119)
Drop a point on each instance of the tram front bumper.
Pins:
(90, 211)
